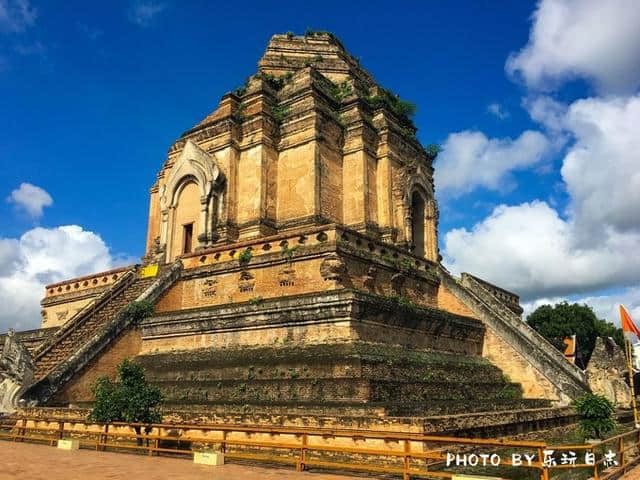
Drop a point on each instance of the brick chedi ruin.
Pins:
(292, 264)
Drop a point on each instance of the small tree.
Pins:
(597, 415)
(563, 320)
(130, 399)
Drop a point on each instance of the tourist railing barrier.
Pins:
(403, 454)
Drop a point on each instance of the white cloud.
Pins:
(143, 13)
(31, 199)
(16, 15)
(531, 250)
(593, 39)
(498, 111)
(470, 159)
(546, 111)
(39, 257)
(602, 168)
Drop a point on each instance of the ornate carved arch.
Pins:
(197, 166)
(418, 183)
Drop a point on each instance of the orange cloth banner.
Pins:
(627, 323)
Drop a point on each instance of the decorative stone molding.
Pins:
(246, 282)
(16, 372)
(397, 283)
(286, 278)
(207, 287)
(369, 280)
(606, 372)
(333, 267)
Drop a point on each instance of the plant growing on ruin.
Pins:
(433, 149)
(597, 415)
(289, 252)
(245, 257)
(140, 310)
(275, 82)
(238, 116)
(340, 91)
(403, 109)
(280, 113)
(256, 301)
(129, 399)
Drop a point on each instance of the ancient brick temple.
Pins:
(294, 231)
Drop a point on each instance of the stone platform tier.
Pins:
(345, 379)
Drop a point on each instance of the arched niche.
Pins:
(418, 206)
(422, 222)
(186, 226)
(191, 202)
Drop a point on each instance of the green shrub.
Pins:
(433, 149)
(140, 310)
(597, 415)
(403, 109)
(245, 257)
(280, 113)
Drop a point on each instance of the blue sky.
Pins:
(92, 94)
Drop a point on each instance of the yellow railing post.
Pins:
(24, 429)
(405, 460)
(544, 471)
(303, 453)
(60, 430)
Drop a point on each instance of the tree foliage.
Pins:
(563, 320)
(129, 399)
(597, 415)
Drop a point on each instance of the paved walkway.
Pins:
(632, 475)
(41, 462)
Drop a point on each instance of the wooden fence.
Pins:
(405, 455)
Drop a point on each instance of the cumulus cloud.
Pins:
(592, 245)
(470, 160)
(497, 111)
(593, 39)
(531, 250)
(16, 15)
(30, 198)
(602, 167)
(39, 257)
(142, 13)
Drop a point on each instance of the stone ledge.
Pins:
(325, 307)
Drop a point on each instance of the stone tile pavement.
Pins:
(41, 462)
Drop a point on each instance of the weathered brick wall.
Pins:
(245, 285)
(79, 389)
(517, 368)
(448, 302)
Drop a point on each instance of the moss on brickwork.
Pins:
(400, 380)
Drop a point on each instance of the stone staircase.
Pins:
(567, 378)
(87, 322)
(91, 330)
